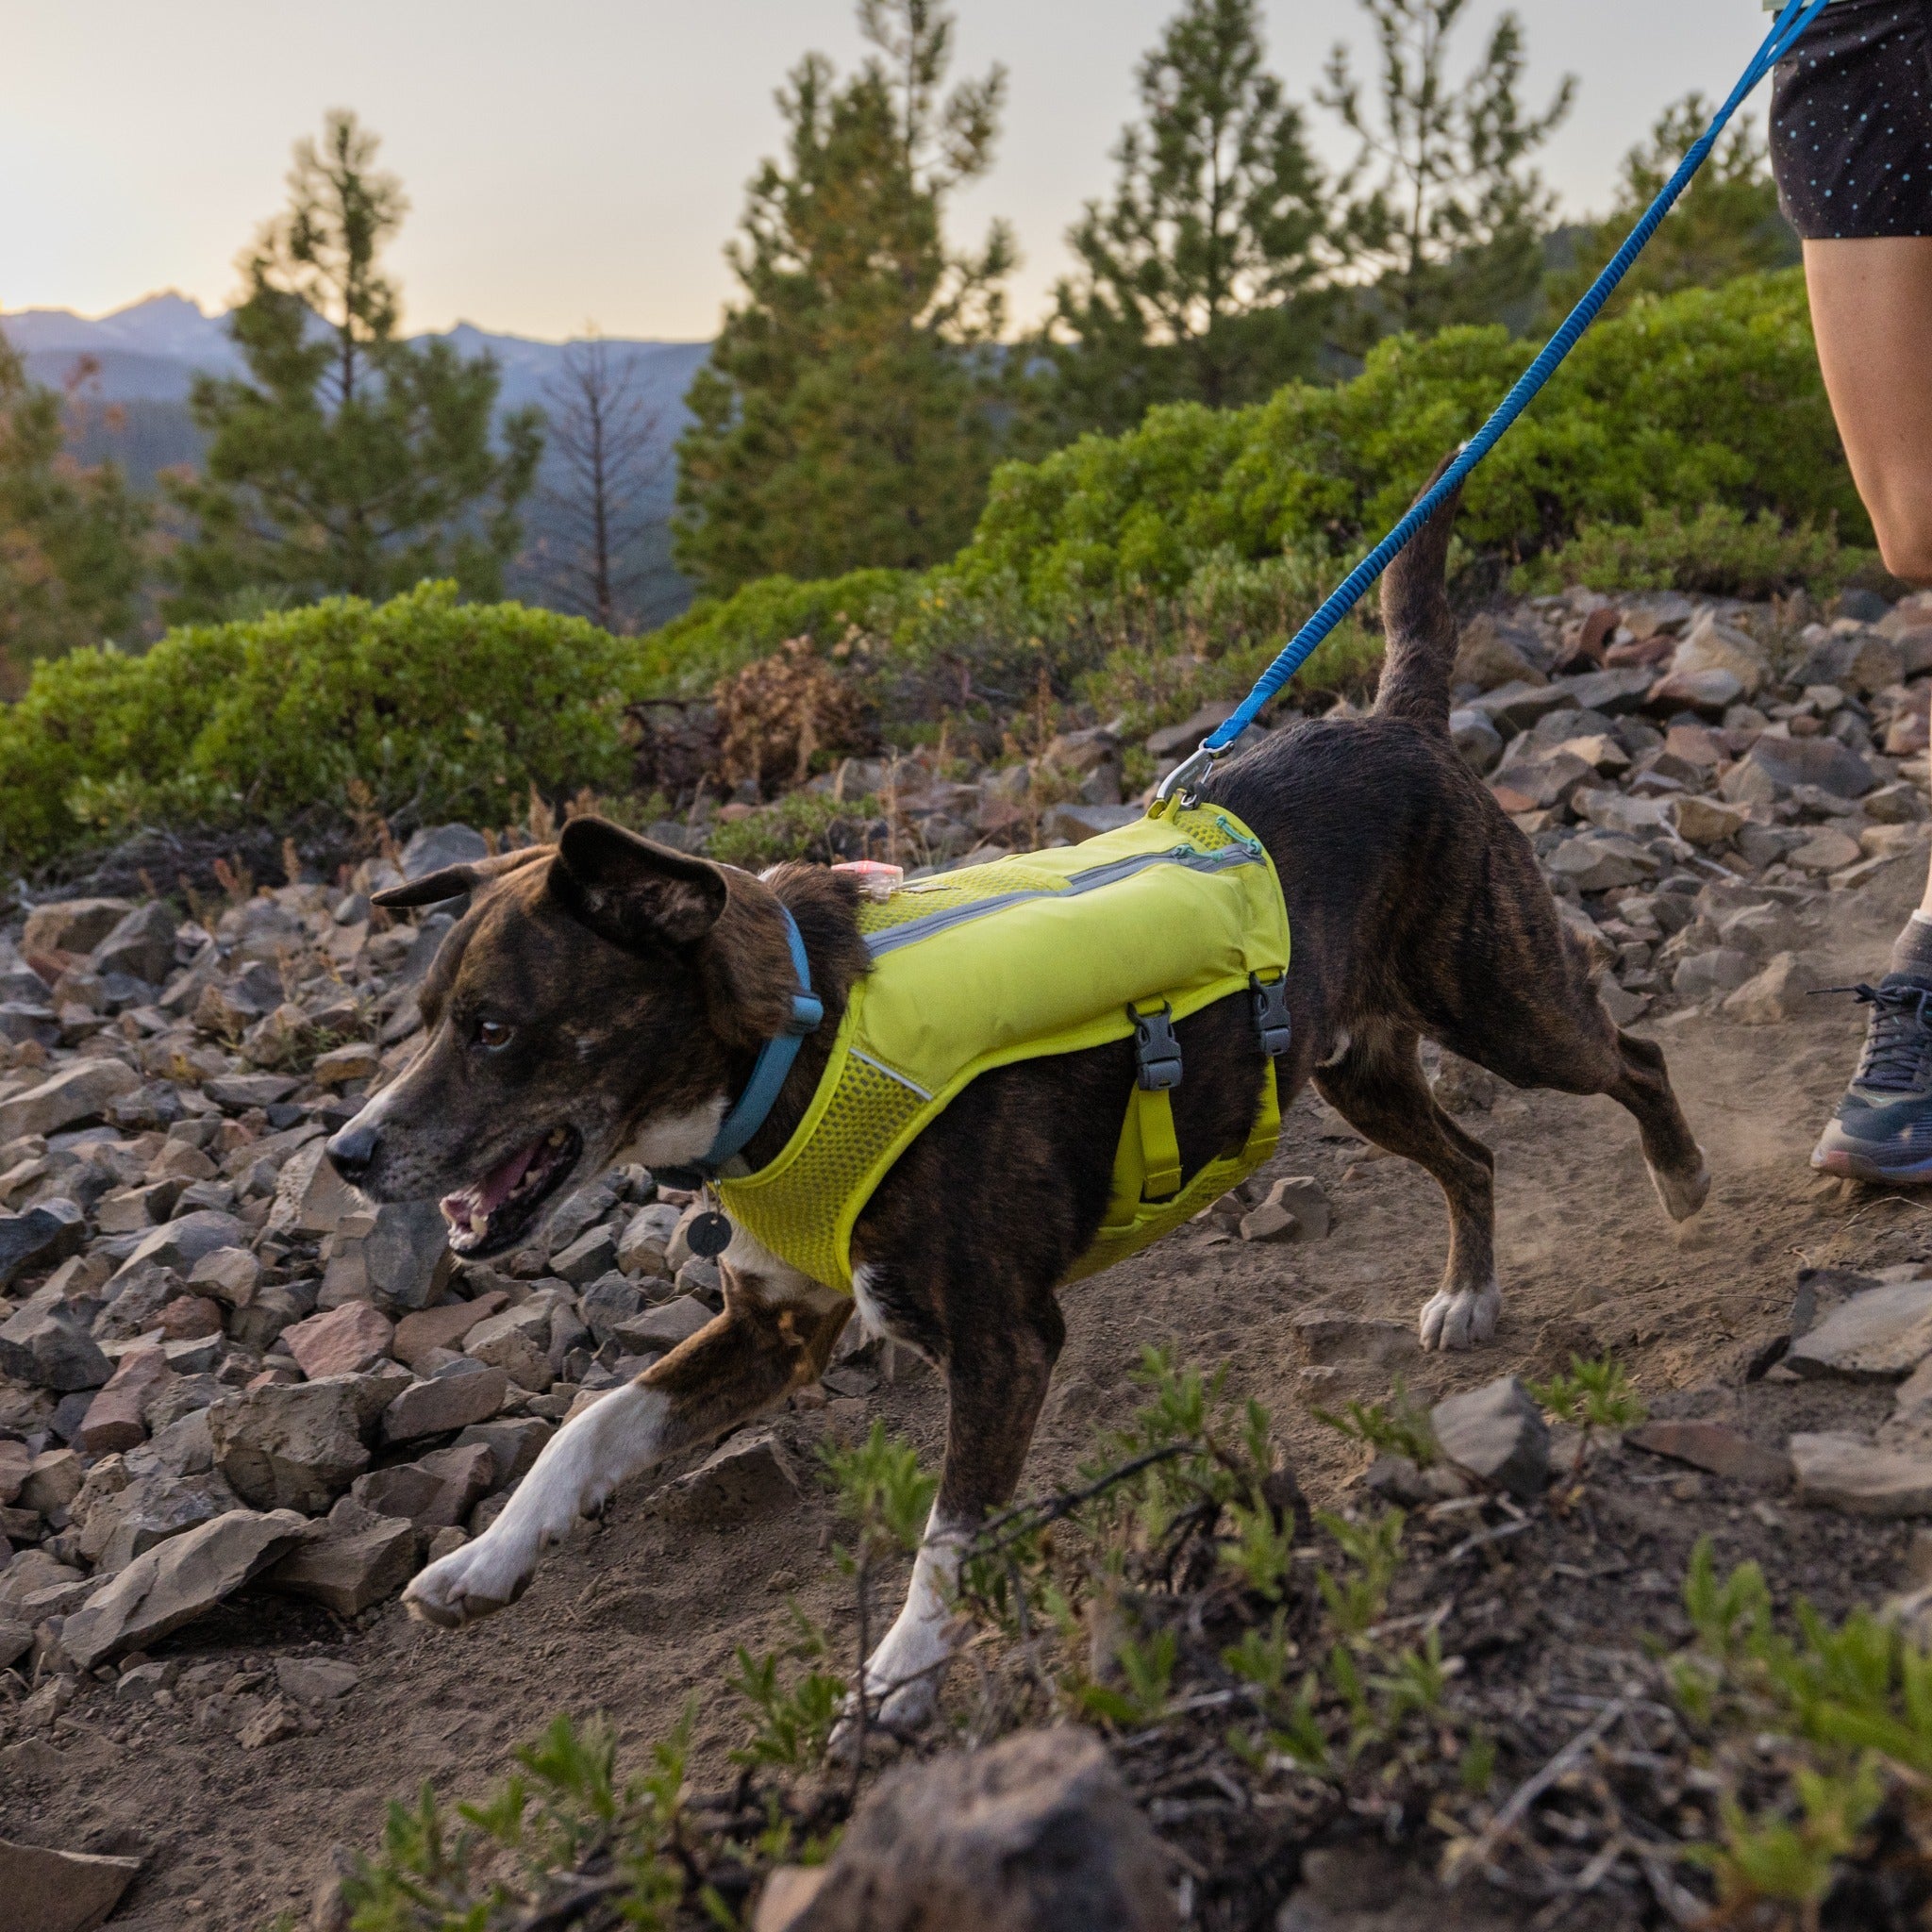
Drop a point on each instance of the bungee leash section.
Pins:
(1790, 25)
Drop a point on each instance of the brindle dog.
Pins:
(604, 999)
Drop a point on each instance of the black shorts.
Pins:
(1851, 122)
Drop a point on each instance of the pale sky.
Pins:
(585, 159)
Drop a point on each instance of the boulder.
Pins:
(517, 1342)
(352, 1561)
(1497, 1433)
(1843, 1471)
(1714, 1448)
(436, 1492)
(663, 1327)
(73, 925)
(1599, 861)
(608, 1303)
(437, 846)
(114, 1418)
(149, 1511)
(405, 1256)
(230, 1275)
(40, 1238)
(1486, 658)
(1077, 823)
(183, 1242)
(141, 945)
(743, 1478)
(1614, 693)
(70, 1098)
(1775, 995)
(175, 1582)
(51, 1891)
(294, 1447)
(1775, 767)
(1712, 645)
(516, 1441)
(1034, 1833)
(346, 1341)
(45, 1342)
(442, 1327)
(448, 1400)
(1477, 741)
(1879, 1336)
(592, 1253)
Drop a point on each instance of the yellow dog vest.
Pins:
(1042, 952)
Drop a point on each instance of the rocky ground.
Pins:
(238, 1409)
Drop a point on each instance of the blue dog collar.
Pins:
(749, 1113)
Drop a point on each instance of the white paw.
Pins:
(1682, 1198)
(475, 1581)
(1462, 1319)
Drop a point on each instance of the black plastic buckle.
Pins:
(1271, 1013)
(1156, 1052)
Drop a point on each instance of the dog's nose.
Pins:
(352, 1152)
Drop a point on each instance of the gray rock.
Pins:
(609, 1302)
(517, 1342)
(1615, 693)
(664, 1327)
(1477, 741)
(180, 1243)
(1516, 705)
(647, 1240)
(436, 846)
(350, 1563)
(1879, 1336)
(316, 1679)
(1722, 969)
(73, 925)
(1077, 823)
(1776, 766)
(1497, 1434)
(70, 1098)
(587, 1258)
(1843, 1471)
(174, 1583)
(1599, 861)
(47, 1889)
(40, 1238)
(743, 1478)
(516, 1441)
(436, 1492)
(149, 1511)
(296, 1446)
(445, 1402)
(1775, 995)
(404, 1257)
(1035, 1834)
(141, 945)
(45, 1342)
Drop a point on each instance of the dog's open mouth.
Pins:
(487, 1215)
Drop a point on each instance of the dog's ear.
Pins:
(453, 881)
(633, 893)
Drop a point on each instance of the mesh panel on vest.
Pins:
(867, 1110)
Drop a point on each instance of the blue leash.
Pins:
(1791, 24)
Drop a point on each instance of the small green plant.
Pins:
(1596, 1397)
(1397, 1427)
(802, 825)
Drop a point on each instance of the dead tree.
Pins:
(611, 451)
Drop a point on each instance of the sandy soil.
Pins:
(633, 1616)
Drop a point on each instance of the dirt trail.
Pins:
(637, 1615)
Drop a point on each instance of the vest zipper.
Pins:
(1243, 852)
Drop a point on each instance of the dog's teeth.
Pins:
(556, 1136)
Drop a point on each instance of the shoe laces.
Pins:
(1898, 1042)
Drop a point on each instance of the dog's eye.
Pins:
(491, 1034)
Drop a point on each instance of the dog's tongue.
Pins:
(493, 1190)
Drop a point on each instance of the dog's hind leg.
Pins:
(1571, 1045)
(1379, 1089)
(776, 1335)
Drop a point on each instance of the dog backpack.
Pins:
(1042, 952)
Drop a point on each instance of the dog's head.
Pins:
(601, 999)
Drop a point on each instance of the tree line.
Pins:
(866, 378)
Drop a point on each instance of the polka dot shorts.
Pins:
(1851, 122)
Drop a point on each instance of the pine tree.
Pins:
(347, 459)
(1201, 279)
(1727, 222)
(71, 548)
(1453, 230)
(849, 413)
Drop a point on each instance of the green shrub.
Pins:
(718, 636)
(439, 708)
(1716, 548)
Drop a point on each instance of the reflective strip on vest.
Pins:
(1043, 953)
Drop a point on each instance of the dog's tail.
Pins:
(1419, 654)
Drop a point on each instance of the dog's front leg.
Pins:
(615, 1438)
(755, 1352)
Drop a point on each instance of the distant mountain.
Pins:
(144, 358)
